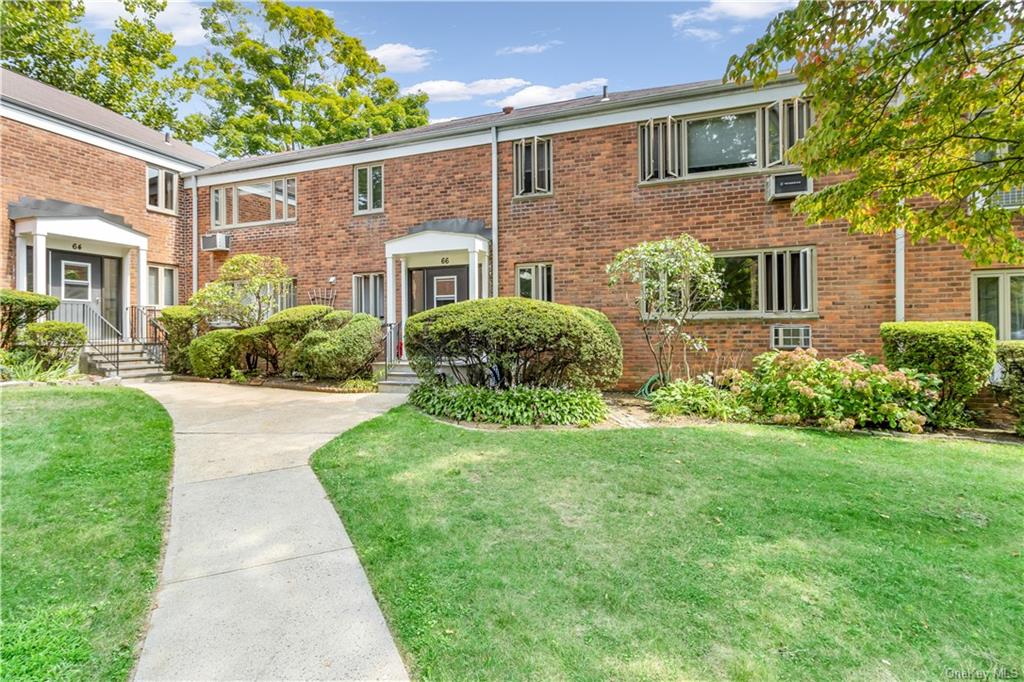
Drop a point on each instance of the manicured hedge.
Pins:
(181, 324)
(55, 343)
(289, 326)
(961, 354)
(256, 344)
(18, 308)
(526, 406)
(215, 354)
(1011, 356)
(514, 341)
(340, 353)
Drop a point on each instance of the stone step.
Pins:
(129, 363)
(396, 386)
(145, 374)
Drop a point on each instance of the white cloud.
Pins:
(536, 48)
(542, 94)
(706, 35)
(459, 91)
(443, 119)
(182, 18)
(402, 58)
(731, 9)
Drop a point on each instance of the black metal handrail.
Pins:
(101, 335)
(146, 331)
(392, 346)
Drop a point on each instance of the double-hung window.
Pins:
(369, 189)
(766, 283)
(254, 203)
(163, 285)
(755, 139)
(368, 294)
(1009, 198)
(532, 161)
(161, 189)
(534, 280)
(998, 298)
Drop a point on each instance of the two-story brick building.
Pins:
(537, 201)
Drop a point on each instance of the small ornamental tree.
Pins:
(677, 279)
(245, 293)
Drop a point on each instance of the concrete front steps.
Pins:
(400, 379)
(133, 363)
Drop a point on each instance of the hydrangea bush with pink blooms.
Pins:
(796, 387)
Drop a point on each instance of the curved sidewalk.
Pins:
(260, 580)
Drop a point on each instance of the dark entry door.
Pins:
(80, 279)
(433, 287)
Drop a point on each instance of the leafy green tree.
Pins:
(668, 282)
(43, 39)
(245, 293)
(922, 103)
(280, 77)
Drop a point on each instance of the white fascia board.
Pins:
(708, 105)
(349, 159)
(433, 240)
(84, 229)
(95, 139)
(685, 107)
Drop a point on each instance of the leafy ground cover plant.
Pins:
(525, 406)
(697, 398)
(795, 387)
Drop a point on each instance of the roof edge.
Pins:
(694, 93)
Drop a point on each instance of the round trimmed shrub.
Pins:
(289, 326)
(340, 353)
(961, 354)
(215, 354)
(181, 324)
(18, 308)
(255, 344)
(514, 341)
(55, 343)
(524, 406)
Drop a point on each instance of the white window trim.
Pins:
(64, 281)
(518, 153)
(762, 166)
(160, 285)
(454, 298)
(1003, 275)
(762, 286)
(370, 278)
(233, 189)
(369, 189)
(160, 208)
(535, 281)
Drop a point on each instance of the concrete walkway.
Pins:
(260, 580)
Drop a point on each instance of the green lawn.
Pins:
(736, 552)
(85, 474)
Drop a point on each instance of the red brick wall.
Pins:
(39, 164)
(597, 208)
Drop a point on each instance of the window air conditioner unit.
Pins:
(786, 185)
(217, 241)
(790, 336)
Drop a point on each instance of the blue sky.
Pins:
(475, 57)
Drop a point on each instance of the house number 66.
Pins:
(444, 260)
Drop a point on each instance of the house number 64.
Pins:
(75, 246)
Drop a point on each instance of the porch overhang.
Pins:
(49, 217)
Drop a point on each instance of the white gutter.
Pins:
(494, 210)
(901, 268)
(195, 235)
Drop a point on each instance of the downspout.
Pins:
(901, 278)
(494, 211)
(195, 235)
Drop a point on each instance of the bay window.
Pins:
(998, 298)
(253, 203)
